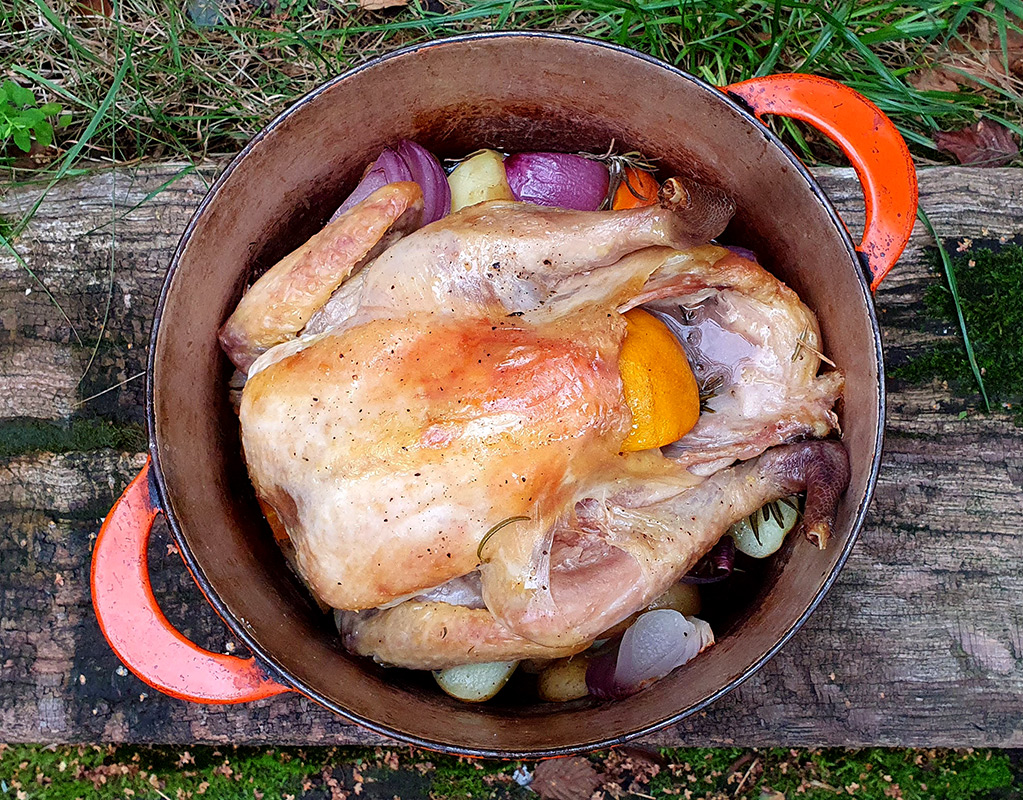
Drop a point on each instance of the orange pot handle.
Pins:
(869, 139)
(137, 630)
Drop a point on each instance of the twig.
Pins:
(745, 777)
(109, 389)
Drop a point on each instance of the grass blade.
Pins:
(110, 278)
(134, 377)
(110, 286)
(162, 187)
(57, 89)
(950, 276)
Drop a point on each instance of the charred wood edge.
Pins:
(919, 643)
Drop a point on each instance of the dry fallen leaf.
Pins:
(986, 144)
(933, 79)
(976, 57)
(565, 779)
(95, 8)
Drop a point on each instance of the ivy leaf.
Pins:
(64, 121)
(22, 139)
(51, 109)
(44, 133)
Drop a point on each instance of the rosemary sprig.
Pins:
(486, 537)
(774, 509)
(709, 391)
(616, 165)
(449, 164)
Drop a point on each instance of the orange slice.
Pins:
(660, 387)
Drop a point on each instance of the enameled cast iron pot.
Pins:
(509, 92)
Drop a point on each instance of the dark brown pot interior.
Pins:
(512, 92)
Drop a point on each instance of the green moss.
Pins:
(918, 774)
(65, 773)
(991, 293)
(458, 778)
(229, 773)
(827, 773)
(31, 435)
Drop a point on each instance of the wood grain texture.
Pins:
(920, 642)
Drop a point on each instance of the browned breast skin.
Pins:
(395, 445)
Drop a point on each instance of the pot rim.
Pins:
(267, 660)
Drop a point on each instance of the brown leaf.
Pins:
(933, 79)
(981, 56)
(565, 779)
(975, 57)
(986, 144)
(94, 8)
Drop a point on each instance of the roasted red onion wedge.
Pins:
(743, 252)
(654, 645)
(428, 173)
(716, 566)
(557, 179)
(410, 162)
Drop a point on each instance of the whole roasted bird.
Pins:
(409, 390)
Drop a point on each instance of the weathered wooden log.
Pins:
(919, 643)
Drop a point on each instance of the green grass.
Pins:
(227, 773)
(149, 83)
(989, 287)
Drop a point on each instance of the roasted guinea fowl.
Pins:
(410, 389)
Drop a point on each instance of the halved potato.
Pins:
(475, 683)
(479, 178)
(564, 679)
